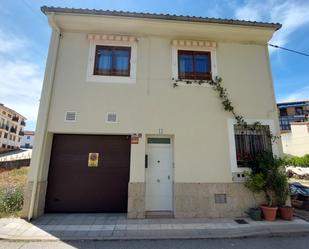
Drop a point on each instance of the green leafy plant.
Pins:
(297, 161)
(267, 175)
(281, 188)
(11, 199)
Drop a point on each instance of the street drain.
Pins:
(241, 221)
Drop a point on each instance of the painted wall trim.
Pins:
(44, 108)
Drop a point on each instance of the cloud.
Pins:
(248, 13)
(300, 94)
(292, 14)
(10, 43)
(21, 79)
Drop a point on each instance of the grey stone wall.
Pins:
(198, 200)
(136, 200)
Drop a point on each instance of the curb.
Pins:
(265, 234)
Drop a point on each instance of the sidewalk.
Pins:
(52, 227)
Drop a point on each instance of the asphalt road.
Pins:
(248, 243)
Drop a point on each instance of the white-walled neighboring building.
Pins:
(296, 142)
(117, 133)
(11, 128)
(27, 140)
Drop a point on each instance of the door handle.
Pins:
(146, 161)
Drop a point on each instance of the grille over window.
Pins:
(70, 116)
(250, 142)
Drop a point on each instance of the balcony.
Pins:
(23, 123)
(286, 120)
(13, 130)
(15, 118)
(21, 133)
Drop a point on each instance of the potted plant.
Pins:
(265, 170)
(255, 183)
(282, 192)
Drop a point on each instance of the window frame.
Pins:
(262, 137)
(213, 57)
(113, 70)
(194, 75)
(91, 77)
(232, 145)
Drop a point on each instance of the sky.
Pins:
(25, 34)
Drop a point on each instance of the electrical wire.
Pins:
(287, 49)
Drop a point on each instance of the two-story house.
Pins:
(11, 128)
(118, 132)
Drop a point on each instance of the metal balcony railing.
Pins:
(15, 118)
(285, 121)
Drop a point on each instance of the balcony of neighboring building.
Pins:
(292, 112)
(4, 127)
(15, 119)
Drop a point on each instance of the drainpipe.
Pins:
(45, 106)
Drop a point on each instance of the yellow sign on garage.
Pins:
(93, 159)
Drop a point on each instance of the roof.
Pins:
(292, 104)
(46, 10)
(12, 111)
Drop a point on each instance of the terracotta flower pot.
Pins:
(286, 213)
(269, 213)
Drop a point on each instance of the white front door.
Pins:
(159, 174)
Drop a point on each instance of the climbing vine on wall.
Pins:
(216, 85)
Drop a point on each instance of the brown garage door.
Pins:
(75, 187)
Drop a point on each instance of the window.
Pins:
(5, 135)
(250, 142)
(283, 112)
(112, 61)
(3, 145)
(195, 65)
(299, 111)
(28, 137)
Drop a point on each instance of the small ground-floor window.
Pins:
(250, 142)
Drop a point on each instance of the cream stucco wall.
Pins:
(296, 142)
(192, 114)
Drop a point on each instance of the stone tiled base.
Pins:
(136, 200)
(197, 200)
(191, 200)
